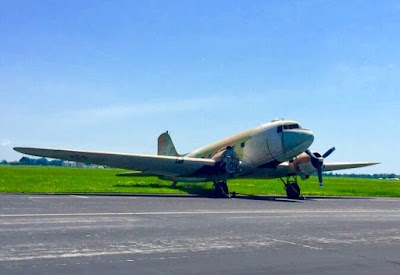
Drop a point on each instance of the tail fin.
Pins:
(166, 146)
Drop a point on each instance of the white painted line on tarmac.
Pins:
(297, 244)
(203, 212)
(56, 197)
(385, 200)
(79, 197)
(43, 197)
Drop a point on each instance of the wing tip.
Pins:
(371, 163)
(19, 149)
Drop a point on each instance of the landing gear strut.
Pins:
(221, 189)
(292, 188)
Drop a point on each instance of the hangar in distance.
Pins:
(279, 149)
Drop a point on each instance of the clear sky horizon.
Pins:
(113, 75)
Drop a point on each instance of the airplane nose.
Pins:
(298, 140)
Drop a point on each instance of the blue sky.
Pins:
(113, 75)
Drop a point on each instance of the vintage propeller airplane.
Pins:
(278, 149)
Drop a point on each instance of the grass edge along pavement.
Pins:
(37, 179)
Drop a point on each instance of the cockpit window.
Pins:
(292, 126)
(288, 127)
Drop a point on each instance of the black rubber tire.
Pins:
(221, 189)
(293, 191)
(224, 187)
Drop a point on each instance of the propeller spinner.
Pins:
(318, 162)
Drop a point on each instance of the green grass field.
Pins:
(34, 179)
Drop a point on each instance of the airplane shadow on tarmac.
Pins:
(195, 190)
(266, 198)
(201, 192)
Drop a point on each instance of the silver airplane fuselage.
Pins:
(259, 149)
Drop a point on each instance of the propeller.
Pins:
(318, 162)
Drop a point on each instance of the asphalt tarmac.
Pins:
(80, 234)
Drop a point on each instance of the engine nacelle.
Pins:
(302, 165)
(227, 161)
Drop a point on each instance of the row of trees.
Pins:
(370, 176)
(46, 162)
(40, 161)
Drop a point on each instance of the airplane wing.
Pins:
(149, 164)
(346, 165)
(288, 169)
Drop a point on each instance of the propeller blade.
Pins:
(318, 162)
(320, 176)
(330, 151)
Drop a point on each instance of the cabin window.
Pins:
(280, 129)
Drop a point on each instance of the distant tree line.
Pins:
(369, 176)
(40, 162)
(46, 162)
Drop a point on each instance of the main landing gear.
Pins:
(292, 188)
(221, 189)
